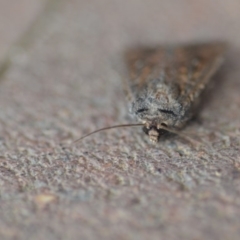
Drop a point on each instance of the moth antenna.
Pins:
(184, 136)
(106, 128)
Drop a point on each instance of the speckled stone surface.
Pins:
(115, 184)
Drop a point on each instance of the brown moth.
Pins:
(165, 84)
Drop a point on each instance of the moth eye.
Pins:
(164, 124)
(167, 111)
(142, 110)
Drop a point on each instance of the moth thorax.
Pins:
(164, 93)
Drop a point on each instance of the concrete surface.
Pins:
(116, 185)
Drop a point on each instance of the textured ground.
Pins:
(64, 79)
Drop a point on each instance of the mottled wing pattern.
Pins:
(143, 64)
(190, 66)
(194, 65)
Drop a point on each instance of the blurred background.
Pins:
(16, 17)
(61, 77)
(129, 21)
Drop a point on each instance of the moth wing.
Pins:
(194, 66)
(189, 67)
(142, 64)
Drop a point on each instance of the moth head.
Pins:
(157, 116)
(154, 131)
(155, 112)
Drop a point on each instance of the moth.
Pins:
(165, 84)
